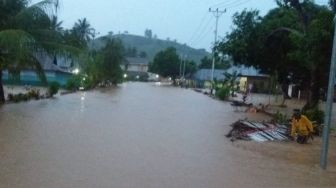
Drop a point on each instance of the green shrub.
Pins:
(223, 93)
(315, 115)
(87, 83)
(18, 98)
(73, 83)
(34, 94)
(53, 88)
(80, 81)
(280, 118)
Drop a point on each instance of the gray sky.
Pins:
(188, 21)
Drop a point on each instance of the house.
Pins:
(135, 67)
(135, 64)
(56, 70)
(248, 76)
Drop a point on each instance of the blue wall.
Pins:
(31, 78)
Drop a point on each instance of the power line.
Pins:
(199, 27)
(235, 4)
(203, 31)
(223, 3)
(202, 37)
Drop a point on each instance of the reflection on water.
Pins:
(136, 135)
(82, 106)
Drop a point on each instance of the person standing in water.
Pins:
(301, 127)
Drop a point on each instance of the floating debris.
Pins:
(256, 131)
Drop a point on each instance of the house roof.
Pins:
(136, 61)
(246, 71)
(205, 74)
(48, 63)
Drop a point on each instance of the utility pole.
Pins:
(184, 65)
(217, 13)
(181, 66)
(329, 106)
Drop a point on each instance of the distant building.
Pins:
(248, 76)
(135, 66)
(56, 70)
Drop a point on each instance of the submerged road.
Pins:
(136, 136)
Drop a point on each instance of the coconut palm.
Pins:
(83, 30)
(25, 32)
(56, 25)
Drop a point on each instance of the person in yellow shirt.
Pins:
(302, 127)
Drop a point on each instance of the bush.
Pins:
(34, 94)
(315, 115)
(53, 88)
(223, 93)
(18, 98)
(281, 118)
(87, 83)
(80, 81)
(73, 83)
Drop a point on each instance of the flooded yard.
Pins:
(142, 136)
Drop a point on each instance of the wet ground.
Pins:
(145, 136)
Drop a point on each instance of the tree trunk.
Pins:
(313, 93)
(284, 89)
(2, 93)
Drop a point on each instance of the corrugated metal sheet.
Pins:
(205, 74)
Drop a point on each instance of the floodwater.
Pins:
(143, 136)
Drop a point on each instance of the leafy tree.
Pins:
(26, 32)
(206, 63)
(313, 44)
(166, 63)
(293, 41)
(190, 68)
(112, 58)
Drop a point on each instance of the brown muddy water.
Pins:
(143, 136)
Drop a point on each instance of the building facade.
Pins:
(56, 69)
(248, 78)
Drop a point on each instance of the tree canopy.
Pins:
(206, 63)
(166, 63)
(25, 32)
(293, 41)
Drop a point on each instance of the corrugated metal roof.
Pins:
(47, 63)
(205, 74)
(136, 60)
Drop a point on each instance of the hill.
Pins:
(152, 46)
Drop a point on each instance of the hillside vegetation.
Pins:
(152, 46)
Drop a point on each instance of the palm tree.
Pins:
(83, 30)
(25, 32)
(56, 25)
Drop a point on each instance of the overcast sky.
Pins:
(187, 21)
